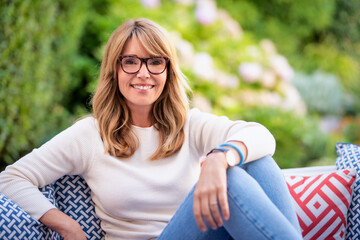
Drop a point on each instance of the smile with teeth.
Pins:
(142, 87)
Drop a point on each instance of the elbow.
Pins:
(269, 142)
(272, 145)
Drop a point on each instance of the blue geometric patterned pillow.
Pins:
(349, 157)
(15, 223)
(73, 196)
(69, 194)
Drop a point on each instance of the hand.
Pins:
(74, 232)
(210, 195)
(61, 223)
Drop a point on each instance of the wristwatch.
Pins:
(230, 157)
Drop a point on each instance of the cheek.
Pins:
(122, 80)
(162, 84)
(162, 80)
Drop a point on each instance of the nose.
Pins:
(143, 72)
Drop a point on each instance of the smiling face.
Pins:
(140, 89)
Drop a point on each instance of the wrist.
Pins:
(228, 155)
(214, 158)
(235, 153)
(59, 222)
(220, 156)
(238, 153)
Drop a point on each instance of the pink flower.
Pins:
(203, 66)
(268, 47)
(282, 67)
(185, 2)
(232, 26)
(184, 49)
(292, 99)
(151, 3)
(268, 79)
(250, 72)
(202, 103)
(205, 12)
(226, 80)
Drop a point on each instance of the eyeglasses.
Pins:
(132, 64)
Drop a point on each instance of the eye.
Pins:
(156, 61)
(130, 61)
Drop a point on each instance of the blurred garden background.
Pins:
(293, 66)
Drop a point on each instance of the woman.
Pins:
(140, 155)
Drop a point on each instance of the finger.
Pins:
(224, 204)
(206, 213)
(214, 207)
(197, 213)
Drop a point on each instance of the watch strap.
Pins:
(220, 149)
(237, 149)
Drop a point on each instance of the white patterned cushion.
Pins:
(349, 157)
(321, 202)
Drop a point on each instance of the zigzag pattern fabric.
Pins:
(349, 157)
(322, 203)
(69, 194)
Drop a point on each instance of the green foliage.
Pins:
(298, 139)
(314, 34)
(352, 132)
(321, 92)
(349, 129)
(50, 54)
(346, 24)
(329, 58)
(286, 22)
(38, 42)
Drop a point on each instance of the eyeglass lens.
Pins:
(132, 64)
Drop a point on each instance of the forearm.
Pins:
(24, 193)
(258, 140)
(61, 223)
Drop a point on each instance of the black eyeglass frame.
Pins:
(143, 60)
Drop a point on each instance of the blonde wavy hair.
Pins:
(169, 110)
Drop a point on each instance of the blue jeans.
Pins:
(259, 203)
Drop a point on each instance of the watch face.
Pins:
(230, 157)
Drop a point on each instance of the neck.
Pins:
(141, 117)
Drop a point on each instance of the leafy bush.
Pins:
(299, 141)
(322, 92)
(346, 67)
(285, 22)
(39, 40)
(314, 35)
(49, 68)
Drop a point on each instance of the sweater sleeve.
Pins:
(208, 131)
(69, 152)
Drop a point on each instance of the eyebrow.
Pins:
(134, 55)
(130, 55)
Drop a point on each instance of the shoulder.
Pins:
(84, 127)
(196, 116)
(86, 121)
(195, 113)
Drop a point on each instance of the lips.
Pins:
(142, 86)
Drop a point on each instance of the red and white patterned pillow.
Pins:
(322, 202)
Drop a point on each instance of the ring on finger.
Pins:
(214, 203)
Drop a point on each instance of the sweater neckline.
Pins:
(143, 128)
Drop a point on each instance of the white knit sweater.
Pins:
(134, 198)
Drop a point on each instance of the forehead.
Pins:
(134, 47)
